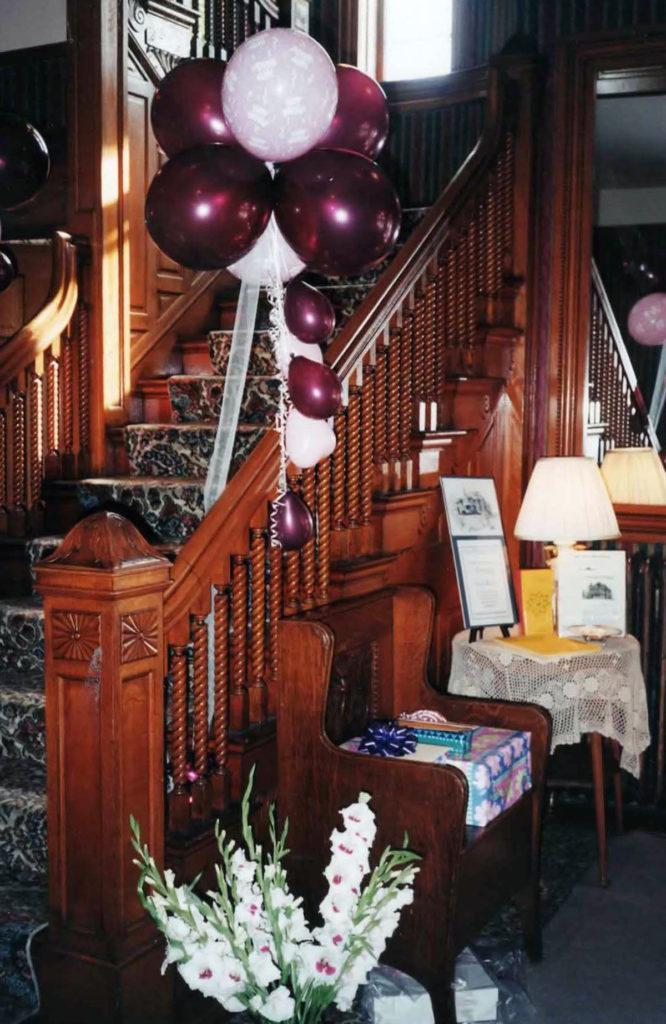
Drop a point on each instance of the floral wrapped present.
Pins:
(497, 768)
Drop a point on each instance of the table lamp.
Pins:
(566, 501)
(634, 476)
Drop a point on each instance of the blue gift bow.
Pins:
(388, 739)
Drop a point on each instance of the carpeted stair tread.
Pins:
(262, 363)
(171, 508)
(198, 398)
(23, 855)
(21, 634)
(22, 910)
(22, 728)
(182, 449)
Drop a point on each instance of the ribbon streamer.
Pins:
(234, 386)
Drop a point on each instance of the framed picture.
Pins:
(472, 509)
(480, 556)
(591, 591)
(484, 581)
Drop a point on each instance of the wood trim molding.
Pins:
(642, 522)
(52, 319)
(578, 63)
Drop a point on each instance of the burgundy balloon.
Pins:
(7, 273)
(337, 210)
(361, 120)
(293, 522)
(11, 255)
(187, 108)
(24, 161)
(315, 390)
(309, 314)
(208, 206)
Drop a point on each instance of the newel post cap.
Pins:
(110, 547)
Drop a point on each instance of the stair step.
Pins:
(38, 548)
(262, 363)
(22, 729)
(23, 856)
(22, 909)
(22, 635)
(194, 399)
(170, 508)
(181, 449)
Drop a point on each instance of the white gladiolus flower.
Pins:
(278, 1006)
(243, 869)
(177, 931)
(263, 970)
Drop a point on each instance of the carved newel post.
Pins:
(103, 589)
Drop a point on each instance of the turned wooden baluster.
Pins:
(418, 357)
(292, 568)
(200, 787)
(340, 425)
(430, 346)
(494, 251)
(68, 461)
(506, 190)
(274, 615)
(238, 698)
(52, 466)
(380, 403)
(179, 804)
(323, 529)
(450, 309)
(440, 339)
(393, 402)
(19, 479)
(3, 471)
(257, 693)
(354, 456)
(367, 442)
(460, 308)
(220, 781)
(84, 390)
(471, 293)
(35, 451)
(308, 550)
(406, 401)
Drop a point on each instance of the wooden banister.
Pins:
(49, 323)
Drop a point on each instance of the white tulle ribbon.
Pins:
(234, 386)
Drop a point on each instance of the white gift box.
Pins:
(395, 998)
(476, 994)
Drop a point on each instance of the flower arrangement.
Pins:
(248, 944)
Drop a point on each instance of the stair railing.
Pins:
(617, 415)
(45, 396)
(419, 323)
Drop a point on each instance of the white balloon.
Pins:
(308, 441)
(270, 260)
(292, 346)
(279, 93)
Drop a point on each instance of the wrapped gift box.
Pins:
(476, 994)
(497, 768)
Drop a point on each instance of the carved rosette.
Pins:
(138, 635)
(75, 635)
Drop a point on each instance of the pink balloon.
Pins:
(292, 521)
(294, 347)
(361, 120)
(271, 259)
(315, 390)
(308, 441)
(647, 320)
(279, 93)
(308, 313)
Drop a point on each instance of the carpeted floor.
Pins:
(605, 950)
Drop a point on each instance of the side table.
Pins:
(595, 693)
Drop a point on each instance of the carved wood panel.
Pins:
(75, 636)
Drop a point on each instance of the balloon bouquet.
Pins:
(271, 171)
(24, 167)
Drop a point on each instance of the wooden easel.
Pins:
(476, 633)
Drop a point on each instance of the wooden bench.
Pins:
(341, 666)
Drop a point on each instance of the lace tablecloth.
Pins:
(597, 691)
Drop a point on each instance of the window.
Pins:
(415, 38)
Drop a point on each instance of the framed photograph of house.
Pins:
(480, 556)
(472, 509)
(591, 591)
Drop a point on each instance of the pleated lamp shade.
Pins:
(566, 501)
(634, 476)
